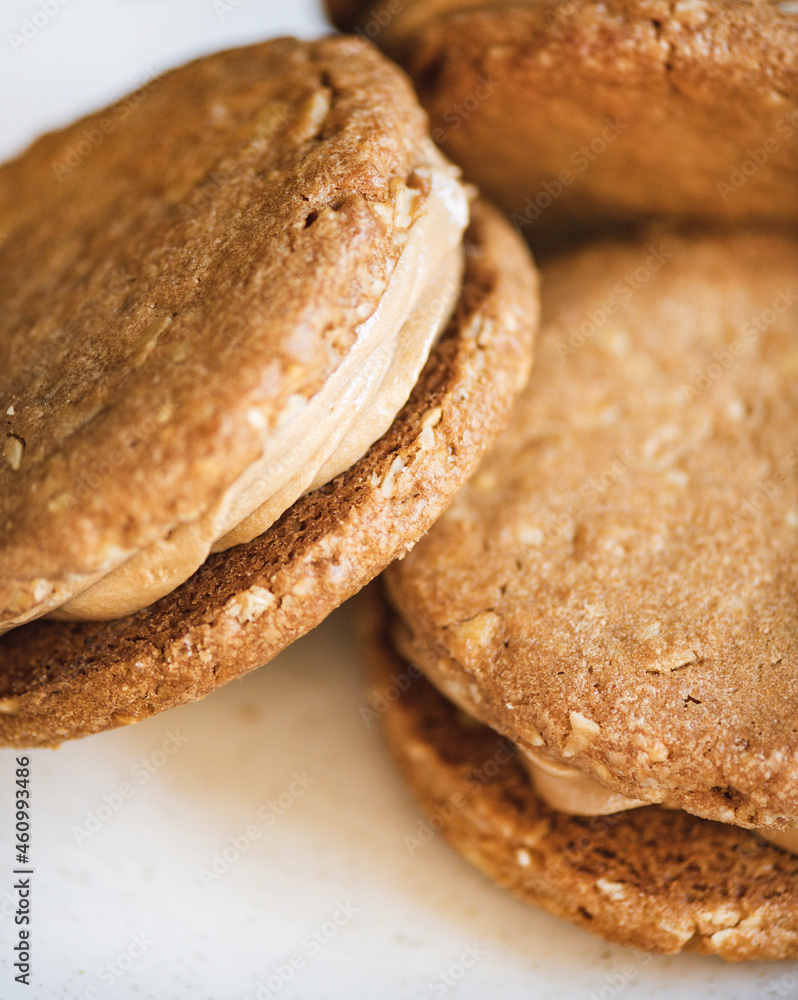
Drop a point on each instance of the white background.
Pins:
(121, 910)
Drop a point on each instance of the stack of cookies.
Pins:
(607, 613)
(259, 337)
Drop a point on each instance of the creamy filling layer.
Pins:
(561, 786)
(786, 839)
(567, 789)
(318, 438)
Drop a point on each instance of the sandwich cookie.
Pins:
(654, 878)
(251, 349)
(615, 593)
(579, 113)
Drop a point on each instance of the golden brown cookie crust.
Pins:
(580, 113)
(227, 228)
(616, 585)
(59, 680)
(657, 879)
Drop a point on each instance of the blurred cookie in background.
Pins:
(576, 115)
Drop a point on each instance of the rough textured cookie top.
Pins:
(176, 267)
(617, 584)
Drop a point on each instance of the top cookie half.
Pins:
(184, 273)
(575, 113)
(616, 586)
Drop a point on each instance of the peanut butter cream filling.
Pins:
(567, 789)
(562, 786)
(315, 439)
